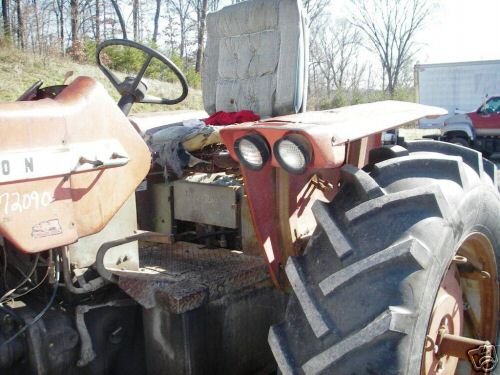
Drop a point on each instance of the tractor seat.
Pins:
(256, 58)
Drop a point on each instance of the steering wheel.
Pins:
(31, 92)
(132, 89)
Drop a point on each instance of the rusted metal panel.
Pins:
(206, 203)
(249, 242)
(330, 131)
(184, 276)
(46, 205)
(275, 197)
(281, 205)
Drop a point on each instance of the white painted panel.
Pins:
(18, 165)
(457, 86)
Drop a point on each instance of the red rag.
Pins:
(228, 118)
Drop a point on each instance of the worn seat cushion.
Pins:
(255, 58)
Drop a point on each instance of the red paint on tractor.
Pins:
(58, 190)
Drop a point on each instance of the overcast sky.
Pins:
(459, 30)
(462, 30)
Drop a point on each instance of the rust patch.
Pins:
(185, 276)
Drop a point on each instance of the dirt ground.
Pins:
(414, 133)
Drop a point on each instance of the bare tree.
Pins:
(20, 24)
(202, 7)
(75, 20)
(156, 21)
(52, 26)
(135, 18)
(182, 9)
(37, 26)
(201, 17)
(105, 20)
(6, 18)
(336, 53)
(317, 13)
(97, 21)
(120, 18)
(60, 19)
(390, 28)
(170, 31)
(316, 9)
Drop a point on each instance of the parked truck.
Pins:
(479, 129)
(458, 87)
(468, 91)
(294, 243)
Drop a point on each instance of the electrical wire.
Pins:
(5, 268)
(25, 280)
(41, 313)
(13, 297)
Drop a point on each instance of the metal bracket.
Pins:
(456, 346)
(461, 260)
(140, 236)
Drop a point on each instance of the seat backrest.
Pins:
(256, 58)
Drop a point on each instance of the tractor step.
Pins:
(186, 276)
(205, 311)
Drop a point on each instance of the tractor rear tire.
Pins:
(364, 289)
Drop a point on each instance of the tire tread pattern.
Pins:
(363, 197)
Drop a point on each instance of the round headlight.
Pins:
(294, 153)
(253, 151)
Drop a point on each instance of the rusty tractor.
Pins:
(150, 244)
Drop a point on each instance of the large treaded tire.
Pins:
(364, 289)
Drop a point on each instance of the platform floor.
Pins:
(185, 275)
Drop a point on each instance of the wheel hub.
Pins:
(447, 316)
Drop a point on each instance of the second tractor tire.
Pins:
(364, 289)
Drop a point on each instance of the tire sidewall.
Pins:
(478, 213)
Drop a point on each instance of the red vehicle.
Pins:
(479, 129)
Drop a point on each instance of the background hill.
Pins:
(19, 70)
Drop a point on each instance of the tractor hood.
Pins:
(66, 166)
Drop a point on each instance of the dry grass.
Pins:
(19, 70)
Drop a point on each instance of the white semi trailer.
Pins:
(459, 87)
